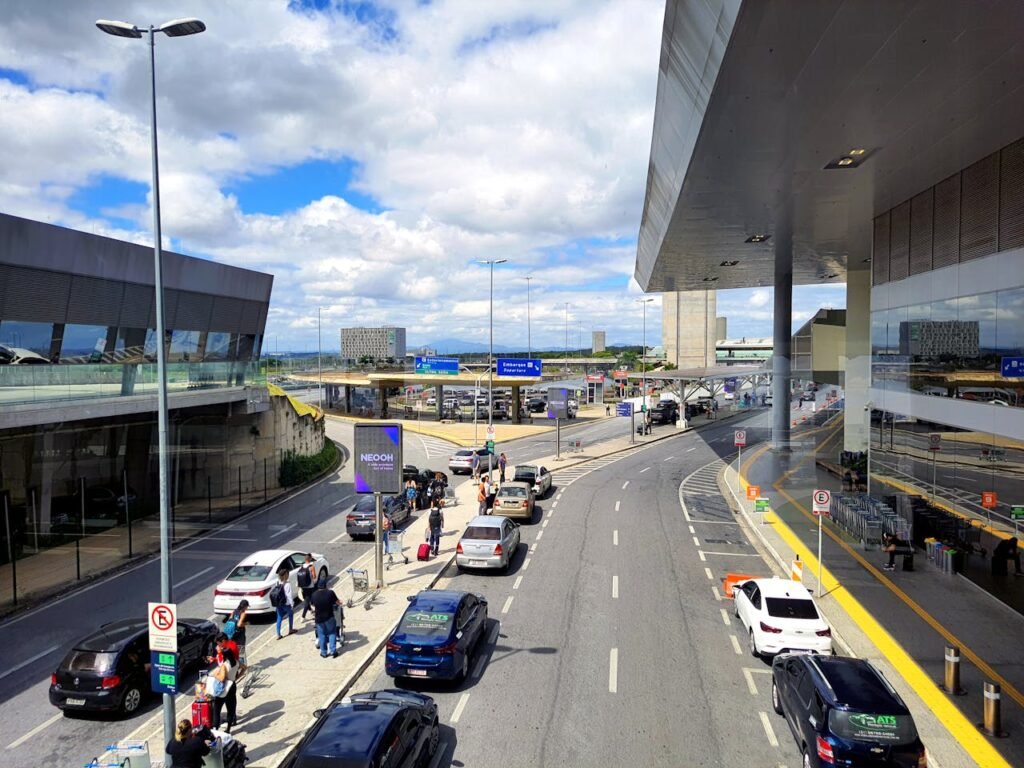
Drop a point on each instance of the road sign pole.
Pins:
(632, 427)
(934, 493)
(378, 560)
(558, 438)
(739, 468)
(819, 554)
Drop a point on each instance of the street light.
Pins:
(529, 345)
(176, 28)
(490, 366)
(643, 378)
(567, 338)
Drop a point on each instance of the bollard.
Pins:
(796, 569)
(951, 683)
(993, 724)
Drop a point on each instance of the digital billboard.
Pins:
(378, 458)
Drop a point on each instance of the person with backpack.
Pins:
(435, 522)
(306, 579)
(282, 598)
(325, 602)
(234, 629)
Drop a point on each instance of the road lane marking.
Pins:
(39, 728)
(696, 541)
(625, 484)
(617, 506)
(283, 530)
(643, 470)
(539, 534)
(615, 538)
(613, 671)
(736, 645)
(339, 502)
(691, 449)
(507, 605)
(709, 574)
(701, 553)
(193, 576)
(692, 529)
(615, 587)
(25, 663)
(768, 731)
(732, 554)
(545, 524)
(533, 548)
(669, 458)
(554, 504)
(526, 563)
(725, 617)
(750, 682)
(338, 538)
(716, 593)
(519, 580)
(457, 713)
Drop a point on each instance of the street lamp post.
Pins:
(319, 365)
(176, 28)
(529, 345)
(490, 365)
(643, 352)
(567, 337)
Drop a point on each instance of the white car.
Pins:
(728, 395)
(779, 615)
(252, 579)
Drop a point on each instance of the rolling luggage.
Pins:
(423, 552)
(202, 713)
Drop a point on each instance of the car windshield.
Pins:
(249, 573)
(515, 490)
(430, 624)
(100, 663)
(791, 608)
(527, 472)
(463, 454)
(860, 726)
(366, 504)
(481, 533)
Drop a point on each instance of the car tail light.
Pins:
(447, 647)
(217, 592)
(111, 682)
(922, 759)
(768, 628)
(350, 518)
(458, 548)
(824, 750)
(53, 679)
(393, 646)
(257, 593)
(497, 549)
(826, 632)
(526, 504)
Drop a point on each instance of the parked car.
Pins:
(361, 519)
(20, 356)
(537, 476)
(665, 412)
(253, 578)
(462, 460)
(779, 615)
(537, 405)
(489, 541)
(436, 635)
(515, 499)
(372, 730)
(106, 672)
(500, 409)
(842, 711)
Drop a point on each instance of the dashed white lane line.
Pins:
(669, 458)
(617, 506)
(283, 530)
(643, 470)
(195, 575)
(692, 529)
(736, 645)
(625, 484)
(533, 547)
(38, 729)
(691, 449)
(701, 553)
(507, 605)
(551, 512)
(539, 534)
(613, 671)
(519, 580)
(338, 538)
(25, 663)
(615, 587)
(554, 504)
(709, 574)
(458, 708)
(725, 616)
(545, 524)
(768, 730)
(731, 554)
(341, 501)
(716, 593)
(615, 538)
(750, 682)
(696, 541)
(526, 563)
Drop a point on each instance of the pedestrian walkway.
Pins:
(903, 620)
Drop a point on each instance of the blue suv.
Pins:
(437, 635)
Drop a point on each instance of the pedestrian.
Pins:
(714, 409)
(283, 600)
(226, 672)
(435, 523)
(188, 748)
(236, 624)
(476, 465)
(1005, 551)
(325, 601)
(410, 495)
(502, 463)
(481, 497)
(306, 579)
(890, 543)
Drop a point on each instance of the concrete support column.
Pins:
(514, 406)
(858, 360)
(782, 343)
(382, 400)
(439, 405)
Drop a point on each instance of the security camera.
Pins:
(868, 405)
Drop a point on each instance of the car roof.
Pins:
(113, 636)
(856, 684)
(349, 733)
(487, 521)
(267, 556)
(530, 467)
(513, 484)
(437, 600)
(794, 590)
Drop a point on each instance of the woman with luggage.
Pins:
(226, 672)
(188, 748)
(234, 628)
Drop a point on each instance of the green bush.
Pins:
(296, 470)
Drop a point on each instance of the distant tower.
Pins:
(689, 328)
(597, 345)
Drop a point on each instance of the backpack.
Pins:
(230, 627)
(304, 579)
(277, 595)
(435, 518)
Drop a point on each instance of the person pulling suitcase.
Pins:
(435, 524)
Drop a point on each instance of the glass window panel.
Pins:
(184, 346)
(35, 337)
(1009, 341)
(83, 343)
(218, 346)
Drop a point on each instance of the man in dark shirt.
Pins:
(324, 601)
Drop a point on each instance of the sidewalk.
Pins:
(901, 621)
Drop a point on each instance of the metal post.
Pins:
(10, 553)
(319, 368)
(490, 377)
(529, 346)
(739, 467)
(239, 488)
(209, 501)
(632, 426)
(567, 337)
(934, 491)
(819, 555)
(264, 479)
(378, 560)
(951, 682)
(558, 438)
(35, 522)
(127, 510)
(993, 723)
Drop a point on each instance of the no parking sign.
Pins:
(821, 501)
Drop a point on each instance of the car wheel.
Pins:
(776, 701)
(132, 700)
(753, 646)
(434, 740)
(807, 758)
(323, 575)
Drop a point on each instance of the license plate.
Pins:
(75, 702)
(363, 522)
(476, 562)
(417, 673)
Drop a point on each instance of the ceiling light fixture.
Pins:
(845, 161)
(757, 238)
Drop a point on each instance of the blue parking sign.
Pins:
(623, 409)
(1012, 367)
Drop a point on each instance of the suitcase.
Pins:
(202, 713)
(423, 553)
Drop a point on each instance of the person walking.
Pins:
(410, 495)
(306, 579)
(481, 497)
(476, 466)
(283, 600)
(234, 630)
(607, 410)
(435, 522)
(714, 409)
(502, 463)
(188, 748)
(325, 601)
(226, 671)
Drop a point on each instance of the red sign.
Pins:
(163, 618)
(753, 492)
(596, 378)
(989, 499)
(739, 438)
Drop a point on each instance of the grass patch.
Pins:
(296, 470)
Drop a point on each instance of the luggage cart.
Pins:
(394, 546)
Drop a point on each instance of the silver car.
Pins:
(489, 541)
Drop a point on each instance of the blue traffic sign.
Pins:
(623, 409)
(449, 366)
(519, 366)
(163, 675)
(1013, 367)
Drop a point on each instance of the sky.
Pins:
(367, 154)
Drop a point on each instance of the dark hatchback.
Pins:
(105, 672)
(361, 520)
(379, 729)
(437, 635)
(843, 712)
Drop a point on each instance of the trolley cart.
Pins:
(393, 546)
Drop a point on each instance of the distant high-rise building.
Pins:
(721, 328)
(597, 345)
(689, 328)
(376, 343)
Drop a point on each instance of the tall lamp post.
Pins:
(643, 378)
(490, 365)
(529, 345)
(176, 28)
(319, 365)
(567, 337)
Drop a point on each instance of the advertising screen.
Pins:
(378, 458)
(558, 403)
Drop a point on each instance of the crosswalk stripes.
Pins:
(569, 475)
(435, 447)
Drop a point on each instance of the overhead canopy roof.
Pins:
(755, 98)
(403, 379)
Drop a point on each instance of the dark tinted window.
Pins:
(90, 662)
(430, 624)
(482, 533)
(791, 608)
(860, 726)
(514, 490)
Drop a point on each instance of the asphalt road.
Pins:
(610, 644)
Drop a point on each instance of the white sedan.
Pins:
(779, 615)
(252, 579)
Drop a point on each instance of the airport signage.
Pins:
(444, 366)
(558, 403)
(163, 674)
(163, 627)
(935, 441)
(518, 366)
(377, 449)
(753, 492)
(739, 438)
(623, 409)
(1012, 367)
(821, 500)
(1017, 512)
(989, 499)
(761, 505)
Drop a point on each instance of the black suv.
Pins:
(106, 671)
(361, 520)
(842, 711)
(665, 412)
(397, 729)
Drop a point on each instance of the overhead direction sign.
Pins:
(378, 458)
(163, 627)
(1012, 367)
(518, 366)
(821, 500)
(739, 438)
(445, 366)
